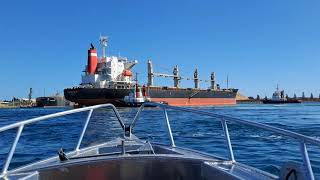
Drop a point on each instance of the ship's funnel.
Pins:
(92, 60)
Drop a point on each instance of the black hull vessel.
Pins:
(172, 96)
(279, 98)
(269, 101)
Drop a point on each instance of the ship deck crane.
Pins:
(176, 77)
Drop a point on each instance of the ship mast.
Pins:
(150, 73)
(104, 43)
(196, 79)
(30, 94)
(176, 77)
(227, 82)
(213, 81)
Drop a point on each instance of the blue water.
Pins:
(261, 149)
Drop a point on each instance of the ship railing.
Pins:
(302, 139)
(20, 126)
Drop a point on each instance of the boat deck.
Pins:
(141, 160)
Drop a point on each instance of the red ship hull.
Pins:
(196, 101)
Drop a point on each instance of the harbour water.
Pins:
(254, 147)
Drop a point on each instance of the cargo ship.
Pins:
(109, 79)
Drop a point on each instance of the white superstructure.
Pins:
(278, 95)
(111, 72)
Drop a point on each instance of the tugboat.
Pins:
(279, 98)
(135, 99)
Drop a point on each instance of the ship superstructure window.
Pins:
(108, 70)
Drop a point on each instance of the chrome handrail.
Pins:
(224, 119)
(20, 126)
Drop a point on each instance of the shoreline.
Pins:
(256, 101)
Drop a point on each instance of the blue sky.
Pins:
(256, 43)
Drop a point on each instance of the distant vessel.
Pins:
(109, 80)
(54, 101)
(279, 98)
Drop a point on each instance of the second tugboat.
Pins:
(109, 80)
(279, 98)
